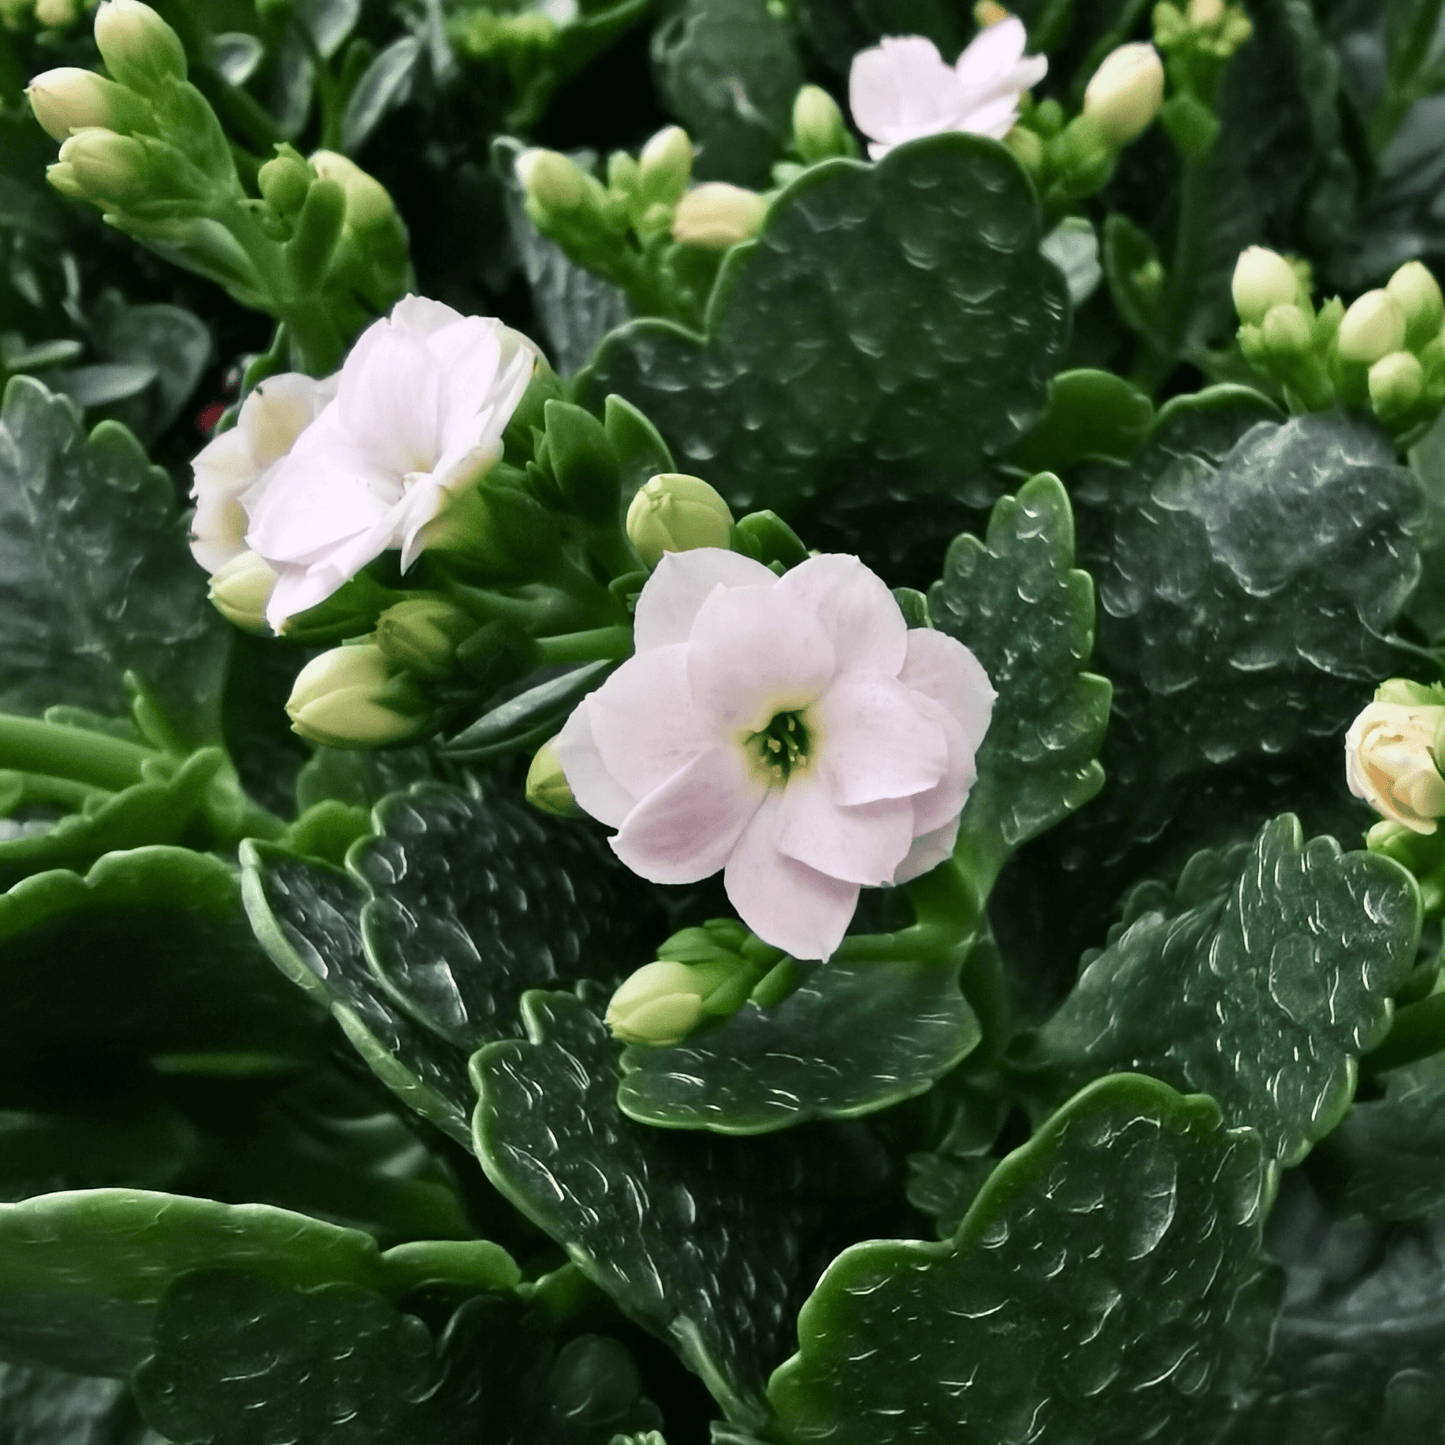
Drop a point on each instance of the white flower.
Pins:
(420, 408)
(791, 731)
(1389, 763)
(902, 89)
(243, 461)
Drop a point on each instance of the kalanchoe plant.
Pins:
(748, 840)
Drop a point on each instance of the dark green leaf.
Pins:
(854, 1037)
(1028, 615)
(728, 70)
(243, 1361)
(711, 1243)
(1090, 414)
(1106, 1286)
(938, 359)
(48, 1407)
(1262, 993)
(95, 575)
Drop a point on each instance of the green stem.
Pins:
(947, 907)
(30, 745)
(1191, 248)
(593, 646)
(46, 788)
(1417, 1032)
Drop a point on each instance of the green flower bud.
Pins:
(664, 1001)
(1405, 693)
(284, 181)
(1419, 296)
(989, 12)
(368, 202)
(350, 698)
(240, 590)
(1373, 327)
(819, 131)
(138, 47)
(1327, 323)
(547, 786)
(551, 181)
(1027, 148)
(1126, 92)
(422, 634)
(1396, 384)
(718, 215)
(69, 99)
(1262, 280)
(56, 14)
(665, 167)
(1287, 331)
(673, 512)
(101, 166)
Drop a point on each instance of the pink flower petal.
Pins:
(755, 652)
(992, 53)
(785, 902)
(858, 845)
(927, 853)
(597, 792)
(942, 668)
(682, 582)
(944, 802)
(901, 89)
(688, 828)
(856, 609)
(874, 741)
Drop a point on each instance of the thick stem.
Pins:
(1191, 247)
(1417, 1032)
(30, 745)
(594, 646)
(62, 792)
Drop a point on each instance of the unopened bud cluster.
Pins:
(1386, 351)
(700, 974)
(1197, 40)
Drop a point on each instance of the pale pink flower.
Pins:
(791, 731)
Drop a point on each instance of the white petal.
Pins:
(311, 509)
(995, 118)
(927, 853)
(992, 53)
(874, 740)
(857, 611)
(901, 89)
(755, 652)
(390, 401)
(943, 802)
(420, 316)
(942, 668)
(683, 581)
(297, 590)
(688, 828)
(859, 845)
(785, 902)
(597, 792)
(644, 721)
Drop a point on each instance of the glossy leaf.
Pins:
(1106, 1285)
(941, 359)
(1090, 414)
(245, 1361)
(95, 574)
(711, 1243)
(854, 1037)
(1027, 613)
(1263, 993)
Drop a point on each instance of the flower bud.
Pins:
(989, 12)
(718, 215)
(55, 14)
(1389, 762)
(1287, 331)
(1127, 92)
(547, 786)
(1397, 382)
(551, 181)
(818, 128)
(284, 181)
(1327, 323)
(349, 698)
(1205, 12)
(368, 202)
(99, 165)
(664, 1001)
(240, 590)
(673, 512)
(69, 99)
(665, 166)
(1262, 279)
(138, 47)
(422, 634)
(1419, 296)
(1373, 327)
(1027, 148)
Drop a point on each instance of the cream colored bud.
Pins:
(1262, 280)
(1418, 293)
(368, 202)
(547, 785)
(70, 99)
(665, 166)
(1389, 762)
(660, 1004)
(1373, 327)
(349, 698)
(818, 128)
(102, 165)
(1126, 92)
(674, 512)
(241, 589)
(551, 181)
(718, 215)
(989, 12)
(138, 47)
(1205, 12)
(56, 14)
(1397, 382)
